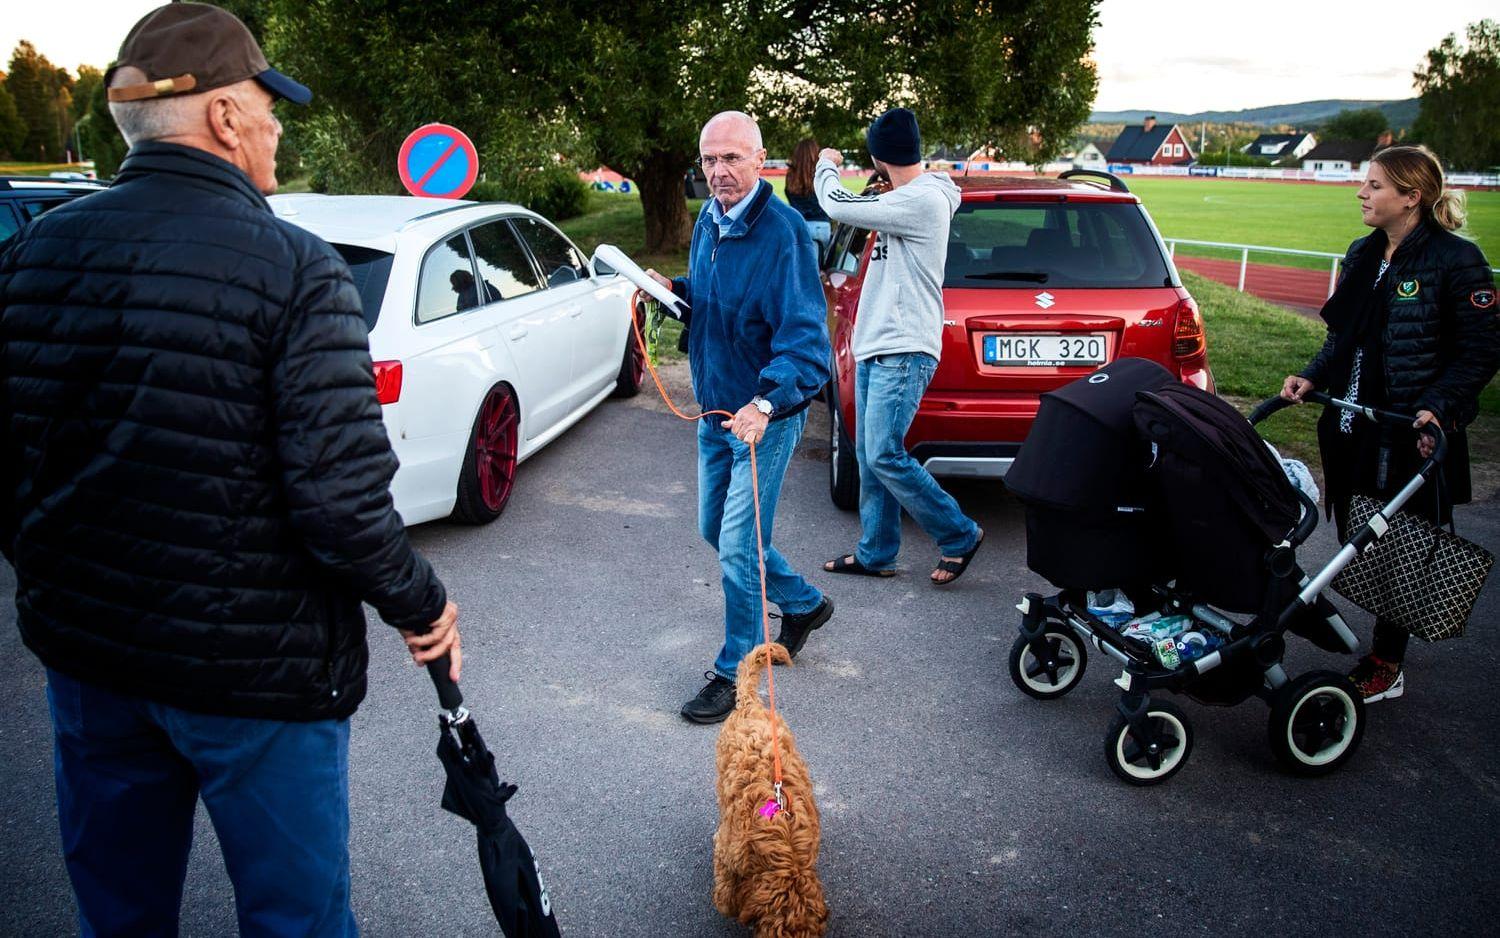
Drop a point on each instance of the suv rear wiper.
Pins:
(1033, 276)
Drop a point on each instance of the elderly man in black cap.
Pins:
(196, 501)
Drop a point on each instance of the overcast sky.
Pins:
(1168, 55)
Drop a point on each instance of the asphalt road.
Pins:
(951, 804)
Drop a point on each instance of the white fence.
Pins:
(1245, 249)
(1286, 175)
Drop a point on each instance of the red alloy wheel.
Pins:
(495, 447)
(637, 354)
(633, 362)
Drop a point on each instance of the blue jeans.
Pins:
(129, 774)
(819, 231)
(887, 390)
(726, 518)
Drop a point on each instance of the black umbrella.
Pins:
(474, 792)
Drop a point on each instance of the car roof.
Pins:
(978, 185)
(376, 220)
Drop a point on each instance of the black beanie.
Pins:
(893, 138)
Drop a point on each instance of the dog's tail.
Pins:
(747, 683)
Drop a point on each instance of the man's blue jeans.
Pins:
(887, 390)
(726, 518)
(129, 774)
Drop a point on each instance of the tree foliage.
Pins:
(43, 96)
(1460, 98)
(98, 136)
(1362, 124)
(12, 128)
(631, 84)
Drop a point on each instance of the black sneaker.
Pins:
(713, 702)
(795, 629)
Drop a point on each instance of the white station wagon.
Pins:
(491, 335)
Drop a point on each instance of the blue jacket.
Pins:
(758, 320)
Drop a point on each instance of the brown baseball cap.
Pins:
(188, 48)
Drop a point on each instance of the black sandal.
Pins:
(956, 567)
(848, 563)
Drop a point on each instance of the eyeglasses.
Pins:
(729, 161)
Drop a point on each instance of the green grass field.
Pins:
(1305, 216)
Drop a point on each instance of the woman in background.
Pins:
(799, 191)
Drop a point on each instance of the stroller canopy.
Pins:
(1083, 452)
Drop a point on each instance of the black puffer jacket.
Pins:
(1441, 339)
(196, 476)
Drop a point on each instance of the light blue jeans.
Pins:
(819, 231)
(726, 518)
(887, 390)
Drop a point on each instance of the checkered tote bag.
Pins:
(1418, 576)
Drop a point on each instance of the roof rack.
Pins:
(1116, 184)
(462, 204)
(47, 182)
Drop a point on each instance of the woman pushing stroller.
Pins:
(1411, 328)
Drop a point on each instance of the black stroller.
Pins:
(1137, 482)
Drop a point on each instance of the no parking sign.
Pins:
(438, 161)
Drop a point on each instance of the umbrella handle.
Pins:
(448, 693)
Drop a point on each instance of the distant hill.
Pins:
(1308, 114)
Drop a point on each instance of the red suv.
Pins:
(1047, 280)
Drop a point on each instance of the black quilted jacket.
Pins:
(1441, 340)
(195, 489)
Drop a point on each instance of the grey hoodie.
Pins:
(901, 303)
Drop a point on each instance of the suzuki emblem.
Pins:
(1045, 300)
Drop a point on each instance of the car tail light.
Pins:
(388, 382)
(1188, 339)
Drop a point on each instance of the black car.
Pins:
(23, 198)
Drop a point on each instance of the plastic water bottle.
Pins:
(1191, 646)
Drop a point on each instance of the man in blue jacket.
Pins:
(758, 347)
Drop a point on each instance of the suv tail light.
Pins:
(1188, 339)
(388, 382)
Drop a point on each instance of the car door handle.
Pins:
(575, 312)
(518, 331)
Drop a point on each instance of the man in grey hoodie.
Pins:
(897, 342)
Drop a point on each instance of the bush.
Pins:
(554, 192)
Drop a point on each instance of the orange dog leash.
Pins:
(760, 553)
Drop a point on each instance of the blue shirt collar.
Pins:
(725, 220)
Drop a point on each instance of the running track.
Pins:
(1293, 287)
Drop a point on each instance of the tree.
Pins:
(12, 128)
(1363, 124)
(42, 94)
(1460, 98)
(631, 84)
(88, 81)
(99, 137)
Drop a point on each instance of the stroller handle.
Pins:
(1384, 417)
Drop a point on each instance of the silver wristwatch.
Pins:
(762, 405)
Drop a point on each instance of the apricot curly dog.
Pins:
(765, 871)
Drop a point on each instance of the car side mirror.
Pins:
(600, 268)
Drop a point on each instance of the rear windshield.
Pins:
(371, 269)
(1020, 245)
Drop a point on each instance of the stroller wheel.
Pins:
(1316, 722)
(1051, 670)
(1153, 760)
